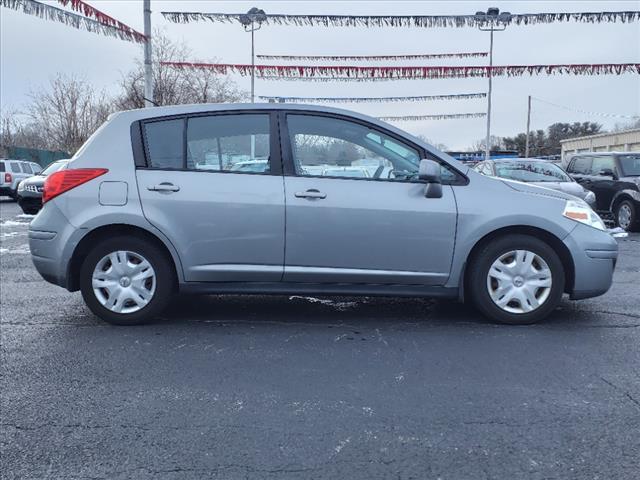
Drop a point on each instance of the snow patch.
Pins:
(11, 223)
(323, 301)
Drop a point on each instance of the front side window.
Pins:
(26, 168)
(330, 147)
(581, 165)
(630, 165)
(602, 163)
(231, 143)
(524, 171)
(164, 143)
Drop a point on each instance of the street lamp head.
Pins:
(255, 15)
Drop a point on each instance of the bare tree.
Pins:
(65, 115)
(173, 86)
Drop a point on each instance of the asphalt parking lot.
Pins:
(294, 387)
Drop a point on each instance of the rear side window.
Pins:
(15, 167)
(232, 143)
(164, 143)
(581, 165)
(602, 163)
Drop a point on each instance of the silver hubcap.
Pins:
(124, 282)
(624, 216)
(519, 281)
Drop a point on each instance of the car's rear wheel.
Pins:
(516, 279)
(126, 280)
(627, 216)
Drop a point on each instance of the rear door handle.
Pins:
(311, 193)
(164, 187)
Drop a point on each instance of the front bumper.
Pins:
(594, 254)
(29, 201)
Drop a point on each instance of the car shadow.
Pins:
(299, 309)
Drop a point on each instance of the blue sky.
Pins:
(32, 50)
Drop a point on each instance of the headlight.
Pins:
(21, 187)
(590, 198)
(581, 212)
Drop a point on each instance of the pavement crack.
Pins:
(622, 391)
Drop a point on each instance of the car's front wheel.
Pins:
(126, 280)
(627, 216)
(516, 279)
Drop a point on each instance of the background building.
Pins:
(625, 141)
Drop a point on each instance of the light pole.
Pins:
(252, 21)
(491, 21)
(148, 71)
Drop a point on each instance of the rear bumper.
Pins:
(52, 240)
(594, 256)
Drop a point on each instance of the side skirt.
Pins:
(284, 288)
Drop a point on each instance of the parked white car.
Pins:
(12, 172)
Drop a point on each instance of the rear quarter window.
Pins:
(164, 143)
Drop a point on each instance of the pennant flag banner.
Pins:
(422, 21)
(423, 98)
(49, 12)
(89, 11)
(362, 73)
(447, 116)
(360, 58)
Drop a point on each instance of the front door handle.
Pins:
(311, 193)
(164, 187)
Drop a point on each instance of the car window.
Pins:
(602, 163)
(164, 142)
(326, 146)
(581, 165)
(26, 168)
(2, 167)
(15, 167)
(35, 168)
(528, 171)
(233, 143)
(54, 167)
(630, 165)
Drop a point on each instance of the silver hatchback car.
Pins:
(284, 199)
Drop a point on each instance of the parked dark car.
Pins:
(30, 190)
(538, 172)
(615, 179)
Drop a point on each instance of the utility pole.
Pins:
(492, 21)
(148, 71)
(526, 148)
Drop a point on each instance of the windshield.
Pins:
(630, 165)
(526, 171)
(54, 167)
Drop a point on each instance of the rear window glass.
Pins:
(580, 165)
(164, 143)
(1, 166)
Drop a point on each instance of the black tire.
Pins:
(477, 289)
(165, 279)
(634, 224)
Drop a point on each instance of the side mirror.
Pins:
(606, 172)
(429, 172)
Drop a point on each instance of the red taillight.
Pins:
(7, 178)
(64, 180)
